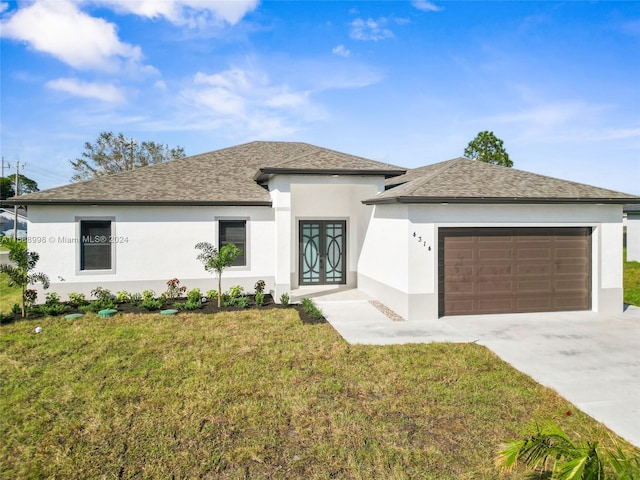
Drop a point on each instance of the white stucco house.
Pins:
(457, 237)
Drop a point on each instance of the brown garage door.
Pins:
(503, 270)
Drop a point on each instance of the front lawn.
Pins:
(9, 296)
(631, 281)
(254, 394)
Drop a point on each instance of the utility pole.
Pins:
(8, 166)
(15, 206)
(132, 143)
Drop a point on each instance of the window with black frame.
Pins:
(234, 231)
(95, 245)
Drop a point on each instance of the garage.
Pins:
(513, 270)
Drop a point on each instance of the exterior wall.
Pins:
(152, 245)
(392, 229)
(311, 197)
(633, 236)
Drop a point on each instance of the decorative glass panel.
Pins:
(334, 241)
(310, 252)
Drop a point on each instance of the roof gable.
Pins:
(471, 181)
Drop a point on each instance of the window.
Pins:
(95, 245)
(234, 231)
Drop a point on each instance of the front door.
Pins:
(322, 252)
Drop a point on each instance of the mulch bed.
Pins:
(209, 307)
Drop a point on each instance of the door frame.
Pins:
(322, 222)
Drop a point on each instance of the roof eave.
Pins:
(265, 173)
(500, 200)
(158, 203)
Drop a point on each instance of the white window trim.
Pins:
(247, 242)
(78, 221)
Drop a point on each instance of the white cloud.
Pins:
(341, 51)
(100, 91)
(549, 116)
(248, 101)
(426, 6)
(160, 85)
(192, 13)
(59, 28)
(370, 29)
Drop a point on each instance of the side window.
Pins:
(234, 231)
(95, 245)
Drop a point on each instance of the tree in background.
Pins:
(25, 185)
(115, 153)
(488, 148)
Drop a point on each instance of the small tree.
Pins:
(217, 261)
(20, 272)
(488, 148)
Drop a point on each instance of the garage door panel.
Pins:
(514, 270)
(534, 286)
(537, 269)
(493, 286)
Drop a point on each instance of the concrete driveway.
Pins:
(591, 360)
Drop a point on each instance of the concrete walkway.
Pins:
(591, 360)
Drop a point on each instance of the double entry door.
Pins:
(322, 252)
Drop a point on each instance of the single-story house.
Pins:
(632, 212)
(457, 237)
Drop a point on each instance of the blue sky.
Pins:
(410, 83)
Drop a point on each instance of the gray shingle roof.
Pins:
(469, 181)
(221, 177)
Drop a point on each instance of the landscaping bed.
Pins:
(209, 307)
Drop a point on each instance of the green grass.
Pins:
(8, 295)
(631, 281)
(254, 394)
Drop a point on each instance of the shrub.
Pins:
(259, 286)
(194, 296)
(549, 448)
(30, 297)
(188, 305)
(211, 294)
(148, 295)
(240, 302)
(53, 309)
(6, 317)
(123, 297)
(174, 289)
(52, 305)
(15, 309)
(259, 297)
(153, 304)
(101, 294)
(311, 309)
(77, 299)
(136, 298)
(284, 299)
(235, 291)
(52, 298)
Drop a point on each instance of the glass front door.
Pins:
(322, 252)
